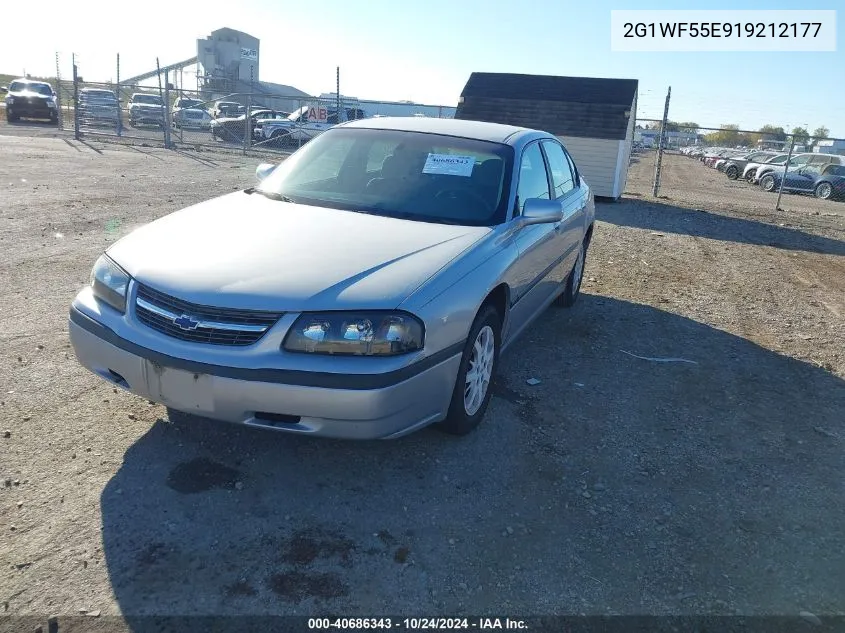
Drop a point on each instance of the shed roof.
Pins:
(589, 107)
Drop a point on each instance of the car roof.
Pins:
(32, 82)
(478, 130)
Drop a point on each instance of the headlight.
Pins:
(355, 333)
(109, 282)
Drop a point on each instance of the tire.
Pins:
(11, 118)
(468, 405)
(732, 172)
(54, 119)
(749, 176)
(573, 282)
(823, 190)
(767, 183)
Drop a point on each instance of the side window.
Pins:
(819, 160)
(574, 169)
(562, 179)
(533, 179)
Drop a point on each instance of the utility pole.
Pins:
(337, 88)
(660, 144)
(785, 170)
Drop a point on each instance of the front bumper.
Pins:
(31, 110)
(370, 406)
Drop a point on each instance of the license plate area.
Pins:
(183, 390)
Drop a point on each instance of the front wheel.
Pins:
(767, 183)
(475, 374)
(824, 190)
(573, 282)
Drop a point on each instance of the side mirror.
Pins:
(264, 170)
(539, 211)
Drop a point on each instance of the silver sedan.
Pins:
(365, 288)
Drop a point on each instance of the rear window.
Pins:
(151, 99)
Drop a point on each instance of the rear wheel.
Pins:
(749, 175)
(824, 190)
(767, 182)
(10, 117)
(732, 172)
(475, 374)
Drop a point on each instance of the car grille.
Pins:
(217, 326)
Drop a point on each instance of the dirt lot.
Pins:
(618, 485)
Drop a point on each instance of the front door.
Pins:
(533, 281)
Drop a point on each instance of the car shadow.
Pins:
(666, 218)
(617, 482)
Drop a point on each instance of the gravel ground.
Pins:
(617, 485)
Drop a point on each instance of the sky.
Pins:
(425, 51)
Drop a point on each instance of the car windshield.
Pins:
(151, 99)
(195, 114)
(188, 103)
(400, 174)
(21, 86)
(777, 160)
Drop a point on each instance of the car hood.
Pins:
(250, 252)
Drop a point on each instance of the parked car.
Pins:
(232, 128)
(258, 128)
(226, 109)
(30, 99)
(823, 181)
(733, 167)
(298, 128)
(146, 108)
(98, 106)
(183, 103)
(396, 259)
(801, 160)
(749, 173)
(191, 119)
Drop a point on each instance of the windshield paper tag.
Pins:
(449, 165)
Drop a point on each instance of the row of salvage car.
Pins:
(817, 174)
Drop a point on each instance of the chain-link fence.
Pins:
(253, 119)
(716, 167)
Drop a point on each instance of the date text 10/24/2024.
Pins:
(417, 624)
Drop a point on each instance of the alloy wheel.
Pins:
(480, 370)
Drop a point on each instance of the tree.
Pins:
(690, 127)
(801, 135)
(772, 133)
(727, 136)
(820, 133)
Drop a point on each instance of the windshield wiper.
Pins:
(270, 194)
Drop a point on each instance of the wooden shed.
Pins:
(593, 117)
